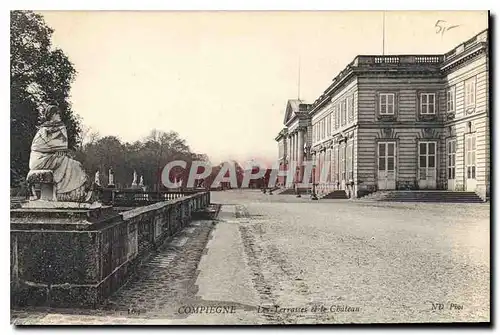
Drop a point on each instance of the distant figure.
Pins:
(49, 152)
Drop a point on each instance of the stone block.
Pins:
(45, 181)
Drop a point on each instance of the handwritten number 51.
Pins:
(441, 27)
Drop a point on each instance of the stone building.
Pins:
(404, 122)
(294, 140)
(282, 140)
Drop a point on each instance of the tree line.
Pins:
(146, 157)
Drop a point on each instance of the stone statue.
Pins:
(134, 181)
(51, 167)
(141, 181)
(111, 178)
(97, 179)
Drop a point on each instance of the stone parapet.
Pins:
(80, 256)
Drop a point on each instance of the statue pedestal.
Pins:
(57, 255)
(44, 180)
(67, 254)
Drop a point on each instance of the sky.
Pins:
(222, 79)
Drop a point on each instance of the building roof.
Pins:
(293, 108)
(433, 62)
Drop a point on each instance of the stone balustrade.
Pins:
(402, 60)
(63, 257)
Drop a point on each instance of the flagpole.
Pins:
(298, 86)
(383, 33)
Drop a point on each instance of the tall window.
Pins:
(322, 128)
(386, 103)
(470, 92)
(450, 99)
(332, 120)
(338, 116)
(350, 109)
(470, 157)
(342, 162)
(348, 160)
(343, 112)
(427, 103)
(336, 163)
(451, 149)
(329, 125)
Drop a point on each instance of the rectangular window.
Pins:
(470, 92)
(349, 161)
(470, 157)
(451, 150)
(343, 112)
(342, 162)
(323, 128)
(350, 109)
(386, 103)
(337, 123)
(329, 125)
(428, 103)
(450, 99)
(427, 158)
(332, 120)
(335, 163)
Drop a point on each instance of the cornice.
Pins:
(473, 53)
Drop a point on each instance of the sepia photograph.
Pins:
(250, 167)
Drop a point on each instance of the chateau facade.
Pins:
(399, 122)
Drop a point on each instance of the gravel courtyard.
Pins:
(391, 261)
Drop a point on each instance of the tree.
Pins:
(39, 74)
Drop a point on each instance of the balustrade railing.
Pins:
(402, 60)
(136, 198)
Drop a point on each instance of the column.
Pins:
(295, 157)
(300, 147)
(321, 167)
(285, 147)
(328, 167)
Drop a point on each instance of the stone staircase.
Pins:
(337, 194)
(424, 196)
